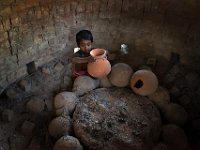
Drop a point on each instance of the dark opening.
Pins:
(31, 67)
(138, 84)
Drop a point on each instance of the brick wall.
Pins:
(40, 30)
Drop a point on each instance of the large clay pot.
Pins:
(144, 82)
(100, 67)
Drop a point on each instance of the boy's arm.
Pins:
(81, 60)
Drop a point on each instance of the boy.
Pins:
(84, 40)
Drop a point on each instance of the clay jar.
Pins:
(100, 66)
(144, 82)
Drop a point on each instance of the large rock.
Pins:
(116, 118)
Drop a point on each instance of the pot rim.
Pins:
(98, 53)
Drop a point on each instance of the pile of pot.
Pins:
(142, 82)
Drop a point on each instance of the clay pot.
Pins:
(120, 75)
(100, 67)
(144, 82)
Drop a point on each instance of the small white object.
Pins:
(124, 49)
(76, 49)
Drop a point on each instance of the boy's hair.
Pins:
(83, 35)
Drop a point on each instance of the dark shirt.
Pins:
(81, 67)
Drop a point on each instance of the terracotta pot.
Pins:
(144, 82)
(100, 67)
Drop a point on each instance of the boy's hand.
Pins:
(91, 59)
(81, 60)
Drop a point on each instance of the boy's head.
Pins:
(84, 40)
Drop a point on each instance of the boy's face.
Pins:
(85, 45)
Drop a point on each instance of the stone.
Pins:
(192, 80)
(34, 145)
(27, 128)
(184, 100)
(104, 82)
(66, 100)
(35, 104)
(66, 83)
(58, 67)
(46, 70)
(170, 76)
(160, 146)
(67, 142)
(60, 126)
(174, 113)
(176, 71)
(68, 70)
(175, 91)
(11, 93)
(43, 46)
(7, 115)
(174, 137)
(25, 85)
(160, 98)
(18, 142)
(116, 118)
(84, 84)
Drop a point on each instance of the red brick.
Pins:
(5, 11)
(4, 36)
(45, 11)
(38, 13)
(16, 21)
(31, 3)
(1, 28)
(81, 7)
(5, 45)
(19, 7)
(6, 24)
